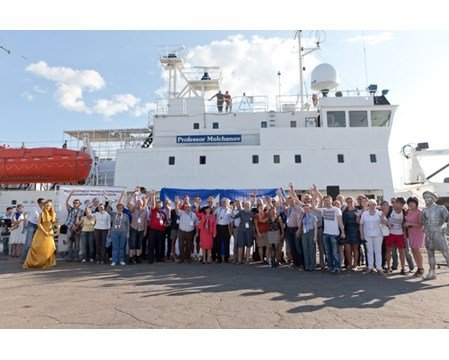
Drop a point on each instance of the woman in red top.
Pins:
(208, 231)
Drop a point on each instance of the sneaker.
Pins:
(133, 261)
(91, 260)
(113, 264)
(394, 268)
(387, 271)
(83, 261)
(139, 260)
(403, 272)
(122, 263)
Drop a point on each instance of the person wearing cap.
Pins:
(187, 229)
(434, 217)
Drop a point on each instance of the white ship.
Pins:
(338, 139)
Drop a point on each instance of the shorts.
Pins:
(274, 237)
(173, 234)
(135, 240)
(397, 240)
(262, 240)
(245, 238)
(353, 238)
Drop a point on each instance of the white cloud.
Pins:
(140, 111)
(27, 95)
(372, 39)
(39, 90)
(118, 104)
(70, 84)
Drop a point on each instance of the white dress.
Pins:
(18, 236)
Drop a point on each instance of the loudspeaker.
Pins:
(333, 191)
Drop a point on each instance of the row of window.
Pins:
(358, 118)
(379, 118)
(276, 159)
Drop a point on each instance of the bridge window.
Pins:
(340, 158)
(171, 160)
(276, 159)
(373, 158)
(336, 119)
(293, 124)
(358, 119)
(263, 124)
(380, 118)
(298, 159)
(196, 126)
(202, 160)
(255, 159)
(215, 125)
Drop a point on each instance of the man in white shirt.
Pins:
(33, 220)
(223, 221)
(333, 228)
(186, 232)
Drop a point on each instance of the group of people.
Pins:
(344, 234)
(223, 98)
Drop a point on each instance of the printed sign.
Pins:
(208, 139)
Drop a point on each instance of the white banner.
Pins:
(85, 195)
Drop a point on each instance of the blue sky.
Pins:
(64, 80)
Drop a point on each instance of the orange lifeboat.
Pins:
(43, 165)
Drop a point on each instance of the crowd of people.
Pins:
(314, 232)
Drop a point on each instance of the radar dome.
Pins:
(324, 77)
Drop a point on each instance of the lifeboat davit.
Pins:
(43, 165)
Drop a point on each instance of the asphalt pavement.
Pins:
(228, 296)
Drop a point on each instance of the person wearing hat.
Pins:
(434, 217)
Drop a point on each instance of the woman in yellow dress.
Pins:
(42, 251)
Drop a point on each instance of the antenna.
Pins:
(301, 49)
(364, 57)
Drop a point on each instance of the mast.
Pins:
(301, 82)
(306, 51)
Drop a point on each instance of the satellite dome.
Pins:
(324, 77)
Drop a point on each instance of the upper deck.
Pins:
(189, 121)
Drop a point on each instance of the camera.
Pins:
(5, 223)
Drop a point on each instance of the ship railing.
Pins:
(203, 73)
(171, 52)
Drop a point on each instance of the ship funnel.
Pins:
(324, 78)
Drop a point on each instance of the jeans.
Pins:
(5, 240)
(221, 242)
(332, 253)
(88, 241)
(31, 230)
(118, 246)
(74, 245)
(290, 236)
(309, 249)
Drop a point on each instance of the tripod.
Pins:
(245, 102)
